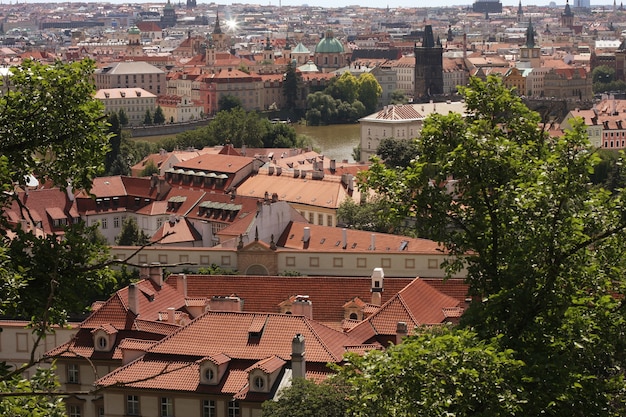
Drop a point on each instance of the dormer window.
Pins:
(209, 375)
(259, 383)
(104, 338)
(102, 342)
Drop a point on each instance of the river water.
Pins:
(334, 141)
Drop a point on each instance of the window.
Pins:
(105, 223)
(167, 407)
(329, 220)
(73, 410)
(208, 408)
(320, 219)
(209, 374)
(132, 405)
(102, 342)
(259, 383)
(73, 375)
(116, 222)
(233, 409)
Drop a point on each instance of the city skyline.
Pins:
(345, 3)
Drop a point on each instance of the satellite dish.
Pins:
(31, 181)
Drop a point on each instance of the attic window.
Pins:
(322, 241)
(102, 342)
(209, 374)
(338, 243)
(259, 383)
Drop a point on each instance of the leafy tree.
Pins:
(397, 152)
(159, 117)
(115, 140)
(322, 108)
(398, 97)
(149, 169)
(279, 135)
(541, 246)
(147, 118)
(307, 399)
(365, 216)
(438, 372)
(130, 234)
(238, 127)
(344, 88)
(603, 74)
(228, 102)
(291, 85)
(32, 406)
(53, 128)
(369, 91)
(123, 117)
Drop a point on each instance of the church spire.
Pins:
(217, 30)
(530, 35)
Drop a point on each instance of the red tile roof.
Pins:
(265, 293)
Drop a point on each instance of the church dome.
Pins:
(134, 30)
(329, 45)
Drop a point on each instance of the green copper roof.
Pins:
(329, 45)
(134, 30)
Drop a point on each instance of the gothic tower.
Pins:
(567, 17)
(530, 52)
(428, 67)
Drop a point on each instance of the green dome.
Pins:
(134, 30)
(329, 45)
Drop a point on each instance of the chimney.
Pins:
(377, 285)
(298, 360)
(156, 273)
(373, 242)
(344, 238)
(401, 332)
(307, 234)
(171, 315)
(181, 284)
(333, 165)
(302, 306)
(229, 303)
(133, 298)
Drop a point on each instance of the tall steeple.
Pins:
(530, 53)
(530, 35)
(217, 29)
(520, 11)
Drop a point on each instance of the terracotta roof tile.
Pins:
(265, 293)
(268, 365)
(322, 343)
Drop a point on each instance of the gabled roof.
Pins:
(417, 304)
(331, 239)
(229, 164)
(265, 293)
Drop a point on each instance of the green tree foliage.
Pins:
(541, 246)
(53, 128)
(439, 372)
(397, 152)
(123, 117)
(305, 398)
(147, 118)
(604, 80)
(369, 215)
(369, 92)
(342, 100)
(344, 88)
(292, 82)
(115, 141)
(149, 169)
(159, 117)
(398, 97)
(130, 234)
(32, 406)
(228, 102)
(50, 126)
